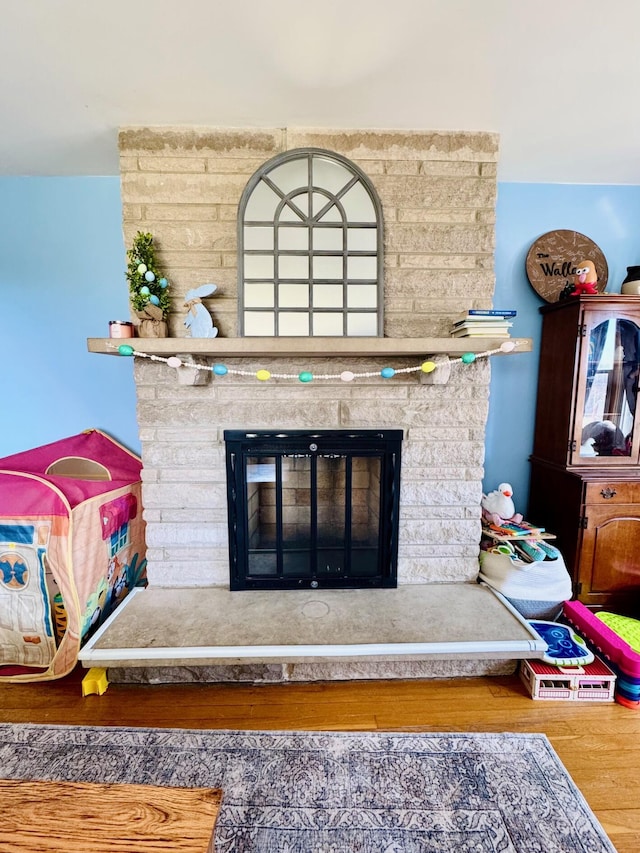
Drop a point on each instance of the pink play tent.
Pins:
(71, 547)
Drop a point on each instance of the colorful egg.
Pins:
(163, 283)
(174, 361)
(387, 372)
(347, 376)
(149, 276)
(263, 375)
(305, 376)
(467, 358)
(144, 290)
(428, 366)
(142, 268)
(125, 349)
(219, 369)
(153, 299)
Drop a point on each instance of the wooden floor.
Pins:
(86, 816)
(598, 744)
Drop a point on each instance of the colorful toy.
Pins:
(550, 551)
(72, 545)
(624, 661)
(592, 682)
(95, 681)
(521, 529)
(624, 626)
(586, 279)
(498, 506)
(502, 523)
(565, 647)
(530, 550)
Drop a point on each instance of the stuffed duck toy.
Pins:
(498, 506)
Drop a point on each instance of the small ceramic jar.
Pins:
(631, 284)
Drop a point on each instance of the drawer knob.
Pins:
(608, 493)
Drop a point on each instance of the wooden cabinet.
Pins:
(585, 467)
(597, 521)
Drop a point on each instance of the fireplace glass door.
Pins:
(313, 509)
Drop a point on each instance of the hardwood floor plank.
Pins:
(625, 844)
(622, 821)
(90, 817)
(623, 828)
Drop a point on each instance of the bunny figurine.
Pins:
(198, 320)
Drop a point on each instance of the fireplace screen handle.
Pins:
(313, 447)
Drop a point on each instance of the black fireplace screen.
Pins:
(313, 508)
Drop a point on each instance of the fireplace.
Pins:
(437, 191)
(313, 508)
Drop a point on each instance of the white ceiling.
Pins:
(557, 79)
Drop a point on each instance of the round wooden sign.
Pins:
(553, 259)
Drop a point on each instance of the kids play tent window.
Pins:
(71, 547)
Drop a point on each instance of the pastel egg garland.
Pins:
(306, 376)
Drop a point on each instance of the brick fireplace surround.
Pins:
(438, 193)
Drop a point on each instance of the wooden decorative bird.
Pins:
(498, 506)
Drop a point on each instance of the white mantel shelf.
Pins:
(290, 347)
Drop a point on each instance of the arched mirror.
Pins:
(310, 243)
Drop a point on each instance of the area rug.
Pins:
(336, 792)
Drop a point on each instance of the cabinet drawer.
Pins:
(613, 492)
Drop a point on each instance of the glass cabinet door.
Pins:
(605, 433)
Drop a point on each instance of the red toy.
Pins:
(586, 279)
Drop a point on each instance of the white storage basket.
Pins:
(537, 590)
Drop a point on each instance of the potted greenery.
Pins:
(148, 288)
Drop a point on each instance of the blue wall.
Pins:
(610, 216)
(62, 263)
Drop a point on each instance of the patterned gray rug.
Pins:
(334, 792)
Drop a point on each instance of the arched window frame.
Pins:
(361, 310)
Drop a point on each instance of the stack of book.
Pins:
(483, 323)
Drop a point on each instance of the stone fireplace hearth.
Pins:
(438, 194)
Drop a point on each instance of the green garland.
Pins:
(147, 285)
